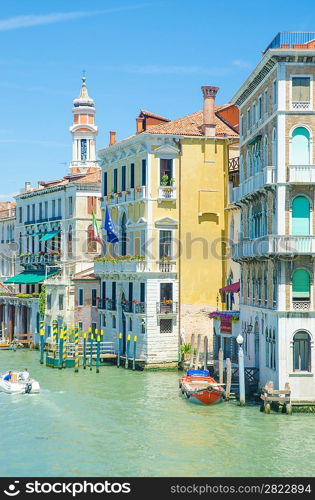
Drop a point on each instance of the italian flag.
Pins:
(96, 230)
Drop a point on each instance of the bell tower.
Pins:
(84, 132)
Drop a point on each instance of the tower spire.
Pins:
(83, 131)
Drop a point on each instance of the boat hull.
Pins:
(17, 386)
(201, 389)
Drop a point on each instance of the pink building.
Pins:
(86, 300)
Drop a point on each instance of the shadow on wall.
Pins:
(209, 217)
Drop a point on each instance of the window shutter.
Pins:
(301, 284)
(89, 204)
(300, 216)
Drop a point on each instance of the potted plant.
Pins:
(185, 351)
(165, 180)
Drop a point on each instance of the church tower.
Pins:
(84, 132)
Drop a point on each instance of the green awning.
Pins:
(31, 277)
(48, 236)
(254, 139)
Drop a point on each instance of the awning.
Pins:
(233, 288)
(31, 277)
(48, 236)
(254, 139)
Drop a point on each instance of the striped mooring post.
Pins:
(127, 351)
(64, 350)
(134, 352)
(102, 335)
(42, 341)
(98, 352)
(84, 350)
(91, 347)
(55, 334)
(60, 348)
(119, 349)
(76, 349)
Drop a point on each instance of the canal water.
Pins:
(124, 423)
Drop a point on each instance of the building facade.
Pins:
(276, 198)
(166, 191)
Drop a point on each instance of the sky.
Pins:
(152, 55)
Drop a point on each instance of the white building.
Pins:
(276, 196)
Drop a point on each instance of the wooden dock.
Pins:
(282, 397)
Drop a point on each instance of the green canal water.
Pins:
(124, 423)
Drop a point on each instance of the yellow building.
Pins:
(166, 188)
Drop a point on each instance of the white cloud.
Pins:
(17, 22)
(239, 63)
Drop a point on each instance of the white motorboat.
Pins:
(18, 384)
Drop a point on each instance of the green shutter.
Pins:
(300, 215)
(301, 284)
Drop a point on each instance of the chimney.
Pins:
(27, 186)
(140, 124)
(209, 94)
(112, 138)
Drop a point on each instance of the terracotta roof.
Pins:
(93, 177)
(88, 274)
(192, 125)
(153, 115)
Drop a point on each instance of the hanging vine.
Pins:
(42, 302)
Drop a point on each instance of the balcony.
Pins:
(301, 106)
(131, 194)
(166, 266)
(111, 305)
(39, 260)
(272, 245)
(301, 305)
(265, 177)
(120, 266)
(139, 307)
(167, 193)
(167, 307)
(301, 174)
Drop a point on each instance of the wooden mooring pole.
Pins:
(127, 351)
(84, 350)
(60, 348)
(42, 342)
(198, 351)
(119, 349)
(64, 352)
(205, 353)
(220, 365)
(76, 350)
(134, 352)
(98, 351)
(91, 348)
(192, 344)
(228, 378)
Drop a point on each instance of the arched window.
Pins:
(70, 247)
(266, 151)
(274, 147)
(300, 149)
(300, 215)
(123, 235)
(91, 243)
(301, 290)
(301, 352)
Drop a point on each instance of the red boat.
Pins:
(200, 387)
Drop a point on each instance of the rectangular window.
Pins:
(165, 244)
(48, 301)
(33, 212)
(91, 200)
(94, 291)
(94, 326)
(20, 214)
(115, 185)
(53, 208)
(59, 207)
(46, 209)
(130, 292)
(266, 102)
(40, 208)
(242, 126)
(132, 175)
(81, 297)
(248, 119)
(114, 321)
(142, 292)
(123, 178)
(70, 206)
(144, 173)
(301, 89)
(166, 172)
(130, 324)
(259, 108)
(105, 192)
(80, 325)
(103, 290)
(166, 291)
(28, 211)
(274, 93)
(61, 302)
(166, 326)
(254, 114)
(114, 291)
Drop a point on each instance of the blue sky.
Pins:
(137, 54)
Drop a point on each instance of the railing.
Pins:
(105, 348)
(127, 306)
(257, 181)
(301, 105)
(267, 245)
(131, 194)
(140, 308)
(39, 260)
(133, 266)
(111, 305)
(234, 164)
(7, 213)
(301, 305)
(167, 193)
(167, 307)
(301, 173)
(166, 266)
